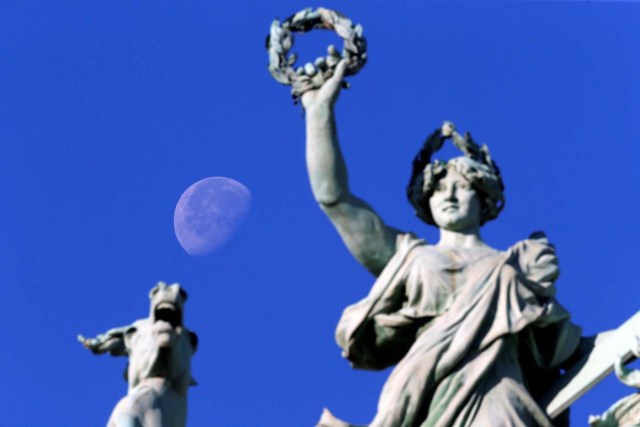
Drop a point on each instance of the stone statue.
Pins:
(159, 370)
(475, 334)
(626, 411)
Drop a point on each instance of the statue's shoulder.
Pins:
(408, 245)
(409, 239)
(535, 257)
(532, 248)
(416, 254)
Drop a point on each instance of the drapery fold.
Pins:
(474, 334)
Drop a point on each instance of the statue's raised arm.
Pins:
(366, 235)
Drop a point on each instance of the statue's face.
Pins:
(166, 312)
(454, 204)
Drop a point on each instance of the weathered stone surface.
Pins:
(475, 334)
(595, 365)
(159, 349)
(626, 411)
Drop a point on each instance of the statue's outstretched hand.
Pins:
(327, 95)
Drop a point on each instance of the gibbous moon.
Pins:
(209, 212)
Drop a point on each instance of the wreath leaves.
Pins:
(313, 75)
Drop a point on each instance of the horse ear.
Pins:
(194, 341)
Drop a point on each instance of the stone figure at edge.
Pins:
(159, 371)
(626, 411)
(475, 334)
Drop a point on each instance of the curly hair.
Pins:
(476, 166)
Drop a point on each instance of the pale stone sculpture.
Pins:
(626, 411)
(159, 371)
(476, 334)
(593, 366)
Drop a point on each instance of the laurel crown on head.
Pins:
(476, 166)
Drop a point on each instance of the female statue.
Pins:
(475, 333)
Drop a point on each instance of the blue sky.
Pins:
(110, 110)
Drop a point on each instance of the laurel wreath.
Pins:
(312, 76)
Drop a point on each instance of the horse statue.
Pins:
(159, 349)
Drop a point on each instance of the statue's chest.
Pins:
(436, 277)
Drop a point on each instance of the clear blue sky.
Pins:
(110, 110)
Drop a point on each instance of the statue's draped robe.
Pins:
(476, 334)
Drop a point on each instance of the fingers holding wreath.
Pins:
(331, 88)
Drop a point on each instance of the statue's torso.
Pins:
(436, 276)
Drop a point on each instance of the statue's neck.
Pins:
(461, 239)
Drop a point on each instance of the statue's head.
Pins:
(167, 303)
(160, 346)
(466, 189)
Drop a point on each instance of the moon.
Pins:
(209, 212)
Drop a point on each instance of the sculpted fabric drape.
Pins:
(474, 332)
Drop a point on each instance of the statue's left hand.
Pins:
(328, 94)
